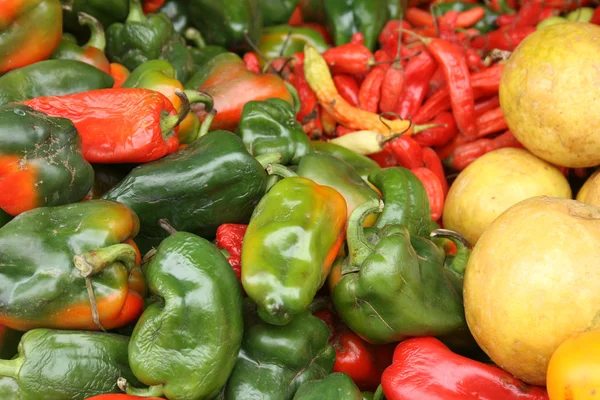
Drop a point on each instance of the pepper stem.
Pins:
(207, 122)
(97, 38)
(423, 39)
(166, 225)
(421, 128)
(196, 96)
(152, 391)
(358, 247)
(169, 123)
(136, 14)
(12, 367)
(463, 250)
(280, 170)
(194, 35)
(269, 158)
(94, 261)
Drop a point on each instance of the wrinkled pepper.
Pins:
(212, 181)
(276, 12)
(41, 163)
(484, 25)
(51, 78)
(143, 123)
(231, 85)
(285, 41)
(346, 17)
(79, 270)
(449, 376)
(328, 170)
(276, 360)
(226, 23)
(293, 237)
(393, 285)
(333, 387)
(106, 11)
(198, 321)
(30, 30)
(363, 165)
(67, 365)
(270, 126)
(92, 52)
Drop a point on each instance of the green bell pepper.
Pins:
(178, 54)
(275, 12)
(270, 126)
(346, 17)
(330, 171)
(285, 41)
(177, 12)
(9, 388)
(333, 387)
(91, 52)
(186, 345)
(68, 267)
(51, 78)
(394, 285)
(405, 198)
(293, 237)
(224, 23)
(212, 181)
(363, 165)
(201, 53)
(275, 360)
(67, 365)
(41, 160)
(107, 12)
(484, 25)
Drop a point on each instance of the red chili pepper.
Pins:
(393, 85)
(506, 19)
(308, 98)
(470, 17)
(417, 17)
(296, 17)
(357, 38)
(490, 122)
(596, 16)
(370, 90)
(447, 25)
(407, 151)
(486, 105)
(388, 38)
(419, 71)
(151, 6)
(464, 154)
(432, 162)
(341, 130)
(424, 368)
(474, 61)
(230, 238)
(439, 135)
(252, 62)
(434, 189)
(118, 125)
(546, 12)
(350, 58)
(505, 38)
(528, 14)
(347, 87)
(437, 81)
(385, 158)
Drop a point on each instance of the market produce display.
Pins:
(299, 199)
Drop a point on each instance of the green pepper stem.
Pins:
(280, 170)
(152, 391)
(12, 367)
(169, 123)
(205, 126)
(166, 225)
(295, 96)
(463, 250)
(194, 35)
(97, 38)
(136, 14)
(379, 392)
(358, 247)
(196, 96)
(269, 158)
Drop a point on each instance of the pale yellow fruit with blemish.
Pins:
(550, 94)
(590, 191)
(532, 282)
(495, 182)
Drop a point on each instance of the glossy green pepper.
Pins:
(327, 170)
(405, 198)
(107, 12)
(333, 387)
(51, 78)
(363, 165)
(212, 181)
(270, 126)
(186, 345)
(9, 388)
(395, 8)
(178, 54)
(484, 25)
(201, 53)
(394, 285)
(67, 365)
(224, 22)
(346, 17)
(176, 11)
(293, 237)
(70, 267)
(275, 12)
(285, 41)
(41, 163)
(275, 360)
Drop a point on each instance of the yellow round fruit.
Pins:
(495, 182)
(549, 94)
(574, 369)
(533, 281)
(590, 191)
